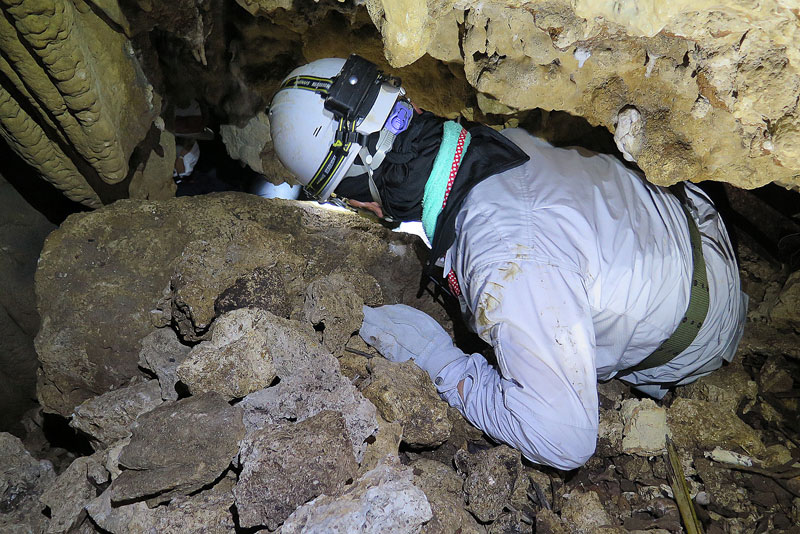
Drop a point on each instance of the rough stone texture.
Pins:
(688, 70)
(774, 376)
(107, 418)
(102, 275)
(161, 354)
(23, 479)
(207, 512)
(786, 313)
(386, 443)
(403, 393)
(236, 361)
(491, 478)
(443, 488)
(285, 466)
(584, 513)
(705, 425)
(78, 102)
(333, 304)
(310, 382)
(609, 433)
(178, 448)
(726, 387)
(71, 491)
(22, 233)
(645, 430)
(383, 500)
(252, 145)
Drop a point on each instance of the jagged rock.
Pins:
(584, 513)
(23, 479)
(786, 313)
(443, 488)
(386, 443)
(71, 492)
(102, 273)
(645, 430)
(112, 454)
(107, 418)
(236, 361)
(247, 143)
(284, 466)
(178, 448)
(333, 304)
(726, 387)
(162, 353)
(720, 484)
(404, 393)
(207, 512)
(705, 425)
(516, 522)
(548, 522)
(310, 382)
(609, 433)
(383, 500)
(491, 478)
(775, 376)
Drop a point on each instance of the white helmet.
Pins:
(321, 115)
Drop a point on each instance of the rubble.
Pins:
(178, 448)
(284, 466)
(162, 353)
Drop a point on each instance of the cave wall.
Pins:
(693, 90)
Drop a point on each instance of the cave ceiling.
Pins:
(696, 90)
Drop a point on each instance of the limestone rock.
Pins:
(491, 478)
(726, 387)
(443, 488)
(383, 500)
(584, 513)
(285, 466)
(645, 430)
(207, 511)
(704, 425)
(71, 491)
(102, 273)
(236, 361)
(609, 433)
(248, 142)
(162, 353)
(547, 521)
(107, 418)
(267, 288)
(774, 376)
(23, 479)
(786, 312)
(178, 448)
(386, 443)
(403, 393)
(333, 304)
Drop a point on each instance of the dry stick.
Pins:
(681, 491)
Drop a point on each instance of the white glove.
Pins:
(400, 333)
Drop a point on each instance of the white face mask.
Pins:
(189, 161)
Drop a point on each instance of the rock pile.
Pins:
(273, 415)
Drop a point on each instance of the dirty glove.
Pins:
(400, 333)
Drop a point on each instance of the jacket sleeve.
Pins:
(543, 400)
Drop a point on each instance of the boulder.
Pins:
(382, 500)
(72, 491)
(208, 512)
(645, 427)
(404, 393)
(584, 513)
(236, 361)
(23, 480)
(102, 276)
(285, 466)
(443, 488)
(333, 305)
(705, 425)
(491, 478)
(162, 353)
(107, 418)
(178, 448)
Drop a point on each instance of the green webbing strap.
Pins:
(337, 153)
(696, 313)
